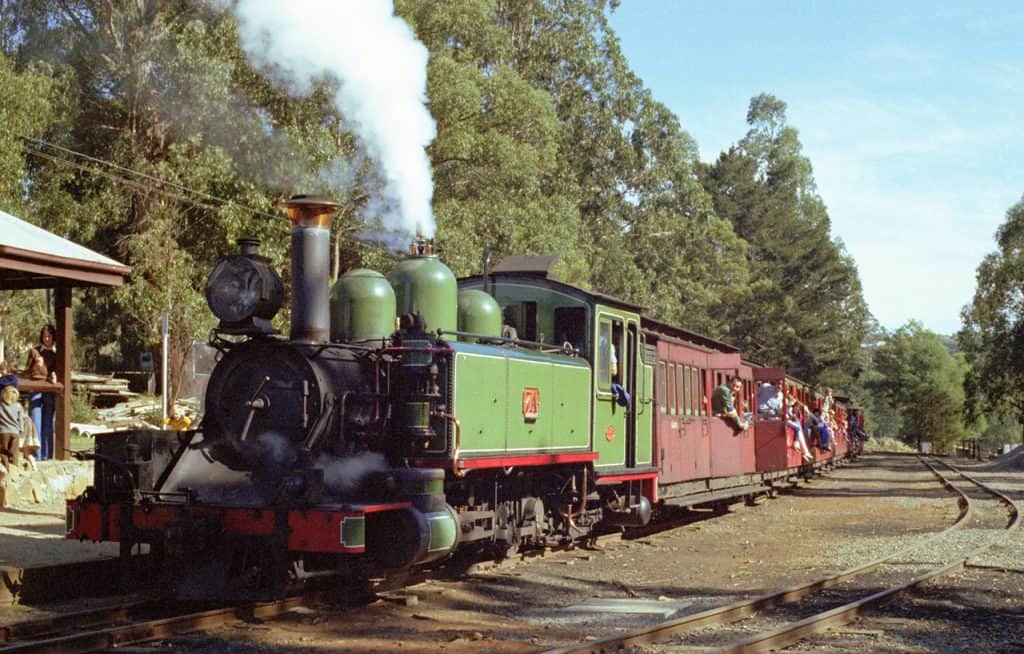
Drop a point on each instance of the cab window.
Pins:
(604, 354)
(570, 327)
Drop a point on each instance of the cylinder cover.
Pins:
(426, 531)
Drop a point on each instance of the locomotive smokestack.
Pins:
(311, 265)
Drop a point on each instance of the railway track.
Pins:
(769, 622)
(129, 623)
(141, 620)
(145, 620)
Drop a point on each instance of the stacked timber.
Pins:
(101, 390)
(141, 413)
(133, 414)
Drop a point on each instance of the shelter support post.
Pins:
(62, 429)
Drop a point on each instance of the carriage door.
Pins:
(611, 427)
(631, 388)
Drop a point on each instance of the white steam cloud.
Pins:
(343, 476)
(382, 69)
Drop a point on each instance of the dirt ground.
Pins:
(32, 519)
(977, 609)
(857, 514)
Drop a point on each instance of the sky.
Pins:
(911, 113)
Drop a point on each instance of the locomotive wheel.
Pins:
(506, 533)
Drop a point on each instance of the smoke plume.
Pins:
(382, 71)
(343, 476)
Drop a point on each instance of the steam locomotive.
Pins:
(407, 417)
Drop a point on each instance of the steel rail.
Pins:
(64, 621)
(143, 631)
(112, 626)
(744, 608)
(794, 632)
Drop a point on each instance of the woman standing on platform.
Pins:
(42, 365)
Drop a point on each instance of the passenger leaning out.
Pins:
(795, 410)
(821, 427)
(828, 411)
(769, 401)
(723, 405)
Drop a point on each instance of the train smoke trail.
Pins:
(383, 73)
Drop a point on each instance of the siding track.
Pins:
(769, 622)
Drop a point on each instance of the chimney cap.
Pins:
(310, 210)
(303, 199)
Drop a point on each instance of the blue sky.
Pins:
(912, 114)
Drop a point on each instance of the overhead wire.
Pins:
(174, 190)
(119, 179)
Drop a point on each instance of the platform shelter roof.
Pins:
(31, 257)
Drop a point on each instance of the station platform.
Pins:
(36, 562)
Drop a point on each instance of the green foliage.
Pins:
(804, 307)
(22, 314)
(881, 418)
(918, 376)
(995, 430)
(82, 410)
(547, 143)
(162, 89)
(25, 110)
(992, 337)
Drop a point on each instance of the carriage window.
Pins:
(604, 354)
(662, 385)
(680, 388)
(695, 393)
(687, 403)
(702, 392)
(672, 388)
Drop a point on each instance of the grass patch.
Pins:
(887, 444)
(82, 410)
(83, 443)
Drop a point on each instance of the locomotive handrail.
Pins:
(456, 470)
(547, 348)
(346, 346)
(642, 400)
(221, 344)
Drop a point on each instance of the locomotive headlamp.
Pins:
(244, 291)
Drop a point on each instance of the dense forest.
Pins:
(149, 131)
